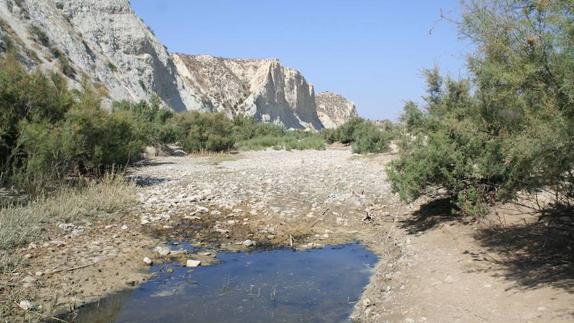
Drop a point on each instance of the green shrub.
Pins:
(368, 138)
(26, 98)
(246, 128)
(87, 142)
(48, 132)
(158, 124)
(507, 129)
(310, 142)
(364, 135)
(202, 132)
(252, 135)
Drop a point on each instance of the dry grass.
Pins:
(21, 225)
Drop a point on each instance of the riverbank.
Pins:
(431, 268)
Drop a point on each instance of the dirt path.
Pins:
(431, 269)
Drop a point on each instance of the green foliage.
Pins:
(364, 135)
(48, 132)
(368, 138)
(510, 127)
(245, 128)
(158, 126)
(252, 135)
(201, 132)
(66, 67)
(39, 35)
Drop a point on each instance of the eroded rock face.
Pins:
(100, 39)
(264, 89)
(105, 43)
(334, 110)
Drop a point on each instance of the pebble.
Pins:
(26, 305)
(148, 261)
(192, 263)
(28, 279)
(162, 251)
(249, 243)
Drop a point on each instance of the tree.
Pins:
(510, 126)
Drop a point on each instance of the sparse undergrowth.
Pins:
(21, 225)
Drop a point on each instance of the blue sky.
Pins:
(371, 51)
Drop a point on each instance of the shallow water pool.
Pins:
(319, 285)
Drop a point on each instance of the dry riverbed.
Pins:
(303, 199)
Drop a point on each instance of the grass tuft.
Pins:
(21, 225)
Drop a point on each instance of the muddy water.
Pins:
(318, 285)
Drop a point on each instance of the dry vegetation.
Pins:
(21, 225)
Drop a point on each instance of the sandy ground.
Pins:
(431, 269)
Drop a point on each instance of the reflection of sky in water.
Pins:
(266, 286)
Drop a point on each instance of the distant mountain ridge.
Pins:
(107, 43)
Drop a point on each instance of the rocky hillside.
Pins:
(105, 43)
(334, 110)
(100, 39)
(263, 89)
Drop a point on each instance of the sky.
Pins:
(371, 51)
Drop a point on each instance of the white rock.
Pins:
(334, 110)
(28, 279)
(26, 305)
(192, 263)
(148, 261)
(249, 243)
(162, 251)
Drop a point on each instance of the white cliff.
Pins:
(102, 40)
(263, 89)
(334, 110)
(105, 43)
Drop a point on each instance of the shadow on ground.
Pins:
(145, 181)
(535, 254)
(532, 255)
(430, 215)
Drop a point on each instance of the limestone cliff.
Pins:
(264, 89)
(334, 110)
(105, 43)
(102, 40)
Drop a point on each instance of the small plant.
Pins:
(39, 35)
(112, 67)
(66, 67)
